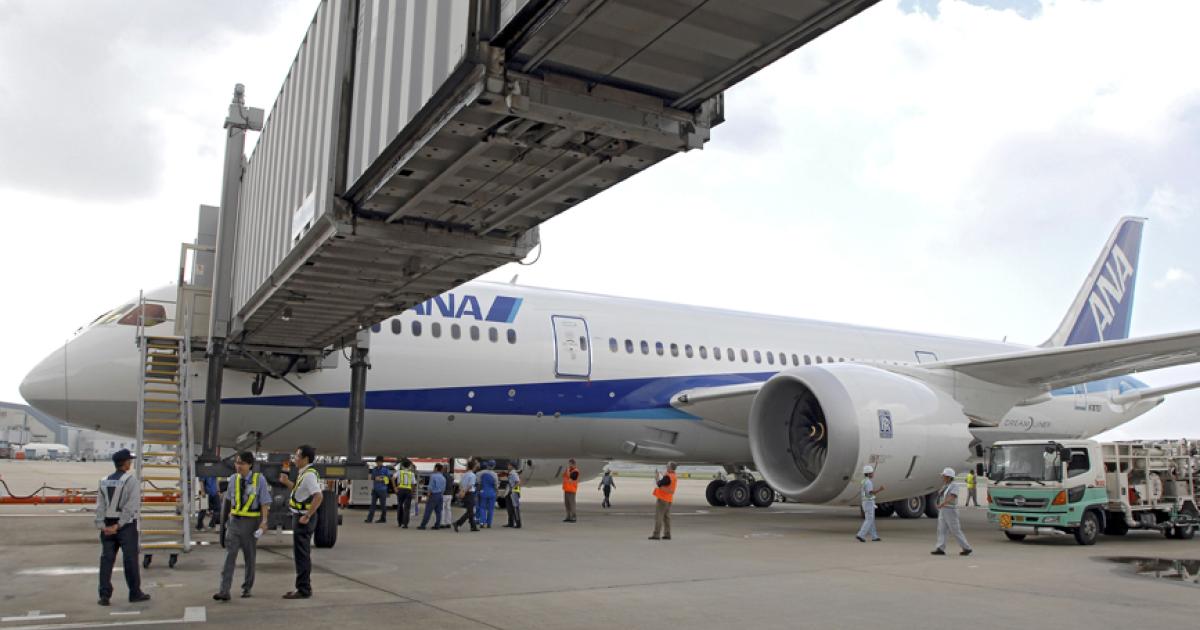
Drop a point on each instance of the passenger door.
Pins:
(572, 352)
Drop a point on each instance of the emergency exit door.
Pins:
(572, 352)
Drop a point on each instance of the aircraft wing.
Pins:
(1135, 395)
(1051, 368)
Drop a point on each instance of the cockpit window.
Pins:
(112, 316)
(153, 314)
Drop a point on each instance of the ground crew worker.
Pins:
(664, 493)
(488, 482)
(382, 483)
(868, 492)
(971, 489)
(117, 505)
(514, 496)
(570, 486)
(303, 502)
(448, 496)
(467, 495)
(437, 486)
(607, 484)
(405, 480)
(947, 505)
(249, 510)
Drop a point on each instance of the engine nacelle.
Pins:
(813, 428)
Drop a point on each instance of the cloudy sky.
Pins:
(942, 166)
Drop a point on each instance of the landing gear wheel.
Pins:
(173, 560)
(761, 494)
(931, 509)
(912, 507)
(884, 510)
(713, 493)
(1088, 530)
(146, 561)
(325, 536)
(1116, 526)
(1014, 537)
(737, 493)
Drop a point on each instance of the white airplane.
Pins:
(511, 371)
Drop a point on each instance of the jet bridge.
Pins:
(417, 145)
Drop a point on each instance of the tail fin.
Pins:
(1103, 308)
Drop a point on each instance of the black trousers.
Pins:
(403, 506)
(513, 505)
(378, 496)
(302, 552)
(607, 491)
(126, 540)
(433, 505)
(468, 504)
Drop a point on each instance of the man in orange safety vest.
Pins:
(570, 486)
(664, 492)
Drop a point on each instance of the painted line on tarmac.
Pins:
(34, 615)
(191, 614)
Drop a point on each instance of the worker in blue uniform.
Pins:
(381, 479)
(488, 483)
(437, 487)
(117, 505)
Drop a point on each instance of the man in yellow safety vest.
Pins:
(249, 507)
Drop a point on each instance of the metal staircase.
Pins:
(165, 464)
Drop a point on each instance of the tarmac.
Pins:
(787, 566)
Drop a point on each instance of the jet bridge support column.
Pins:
(209, 446)
(359, 364)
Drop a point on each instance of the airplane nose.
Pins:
(45, 387)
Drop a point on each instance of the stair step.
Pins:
(169, 392)
(160, 454)
(160, 466)
(151, 516)
(169, 401)
(160, 373)
(162, 545)
(163, 421)
(160, 478)
(161, 532)
(162, 443)
(161, 381)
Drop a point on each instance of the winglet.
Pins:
(1102, 309)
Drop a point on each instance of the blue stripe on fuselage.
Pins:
(619, 398)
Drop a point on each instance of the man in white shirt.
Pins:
(467, 494)
(304, 501)
(947, 504)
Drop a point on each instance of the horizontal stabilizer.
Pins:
(1135, 395)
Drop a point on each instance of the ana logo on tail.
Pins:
(1110, 290)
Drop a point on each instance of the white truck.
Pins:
(1083, 488)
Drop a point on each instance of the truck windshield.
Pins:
(1024, 462)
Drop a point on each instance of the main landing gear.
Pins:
(740, 491)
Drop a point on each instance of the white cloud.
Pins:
(1174, 276)
(1170, 206)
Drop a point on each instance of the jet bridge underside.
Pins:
(548, 103)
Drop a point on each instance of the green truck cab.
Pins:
(1085, 488)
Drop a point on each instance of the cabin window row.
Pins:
(456, 331)
(718, 352)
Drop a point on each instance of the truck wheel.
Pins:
(884, 510)
(737, 493)
(1185, 532)
(711, 494)
(931, 505)
(1014, 537)
(912, 507)
(1115, 525)
(325, 535)
(761, 494)
(1088, 530)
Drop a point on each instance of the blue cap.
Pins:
(122, 456)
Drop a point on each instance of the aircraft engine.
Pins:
(813, 428)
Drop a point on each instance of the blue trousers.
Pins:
(380, 497)
(434, 505)
(486, 510)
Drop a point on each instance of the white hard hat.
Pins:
(949, 472)
(868, 469)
